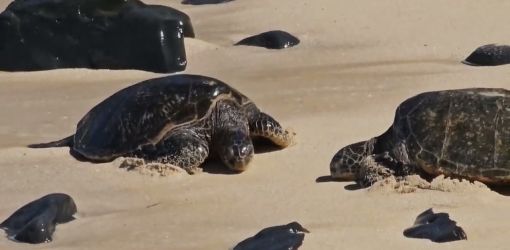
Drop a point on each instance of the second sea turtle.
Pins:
(457, 133)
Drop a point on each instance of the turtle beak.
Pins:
(239, 156)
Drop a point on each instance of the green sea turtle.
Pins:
(176, 119)
(458, 133)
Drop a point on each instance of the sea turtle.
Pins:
(461, 133)
(175, 119)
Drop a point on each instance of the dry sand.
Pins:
(356, 62)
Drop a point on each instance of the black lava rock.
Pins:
(200, 2)
(98, 34)
(283, 237)
(489, 55)
(275, 39)
(435, 227)
(35, 222)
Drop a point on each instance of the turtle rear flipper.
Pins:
(66, 142)
(265, 126)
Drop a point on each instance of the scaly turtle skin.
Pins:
(459, 133)
(177, 120)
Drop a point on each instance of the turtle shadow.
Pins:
(211, 166)
(325, 178)
(214, 166)
(263, 145)
(353, 187)
(328, 178)
(77, 156)
(502, 190)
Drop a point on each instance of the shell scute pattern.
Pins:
(461, 131)
(143, 113)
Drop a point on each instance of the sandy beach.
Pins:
(356, 62)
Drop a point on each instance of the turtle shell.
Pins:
(458, 133)
(147, 111)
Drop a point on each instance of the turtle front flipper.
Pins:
(265, 126)
(377, 167)
(374, 168)
(184, 148)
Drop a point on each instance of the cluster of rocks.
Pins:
(36, 221)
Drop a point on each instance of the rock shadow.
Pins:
(263, 145)
(502, 190)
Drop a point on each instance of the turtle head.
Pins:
(232, 135)
(235, 149)
(345, 165)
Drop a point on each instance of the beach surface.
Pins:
(356, 62)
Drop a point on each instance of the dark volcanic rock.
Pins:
(200, 2)
(35, 222)
(435, 227)
(283, 237)
(275, 39)
(98, 34)
(489, 55)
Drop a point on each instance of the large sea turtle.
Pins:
(461, 133)
(177, 120)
